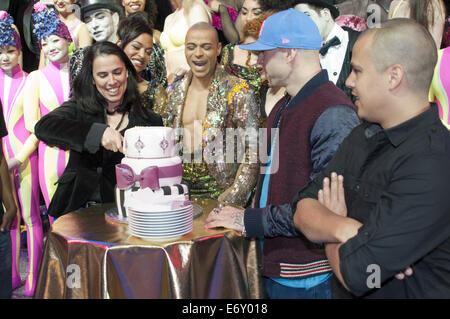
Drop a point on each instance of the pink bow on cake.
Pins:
(126, 178)
(149, 176)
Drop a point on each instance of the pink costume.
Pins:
(440, 86)
(20, 144)
(47, 89)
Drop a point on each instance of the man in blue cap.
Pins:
(310, 122)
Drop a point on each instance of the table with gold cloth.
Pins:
(88, 256)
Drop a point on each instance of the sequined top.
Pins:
(231, 103)
(200, 182)
(155, 93)
(76, 63)
(250, 74)
(156, 69)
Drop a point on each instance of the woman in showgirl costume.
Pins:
(77, 29)
(20, 151)
(47, 89)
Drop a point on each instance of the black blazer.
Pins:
(90, 166)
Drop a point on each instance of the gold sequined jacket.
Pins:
(231, 103)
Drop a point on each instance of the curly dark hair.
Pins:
(152, 10)
(253, 27)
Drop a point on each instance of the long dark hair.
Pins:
(152, 11)
(85, 92)
(132, 26)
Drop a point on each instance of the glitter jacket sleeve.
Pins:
(244, 115)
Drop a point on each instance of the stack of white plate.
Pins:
(160, 225)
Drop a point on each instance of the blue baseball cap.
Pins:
(290, 29)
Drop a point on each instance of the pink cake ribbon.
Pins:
(149, 176)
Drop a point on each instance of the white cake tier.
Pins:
(166, 194)
(149, 142)
(146, 200)
(170, 169)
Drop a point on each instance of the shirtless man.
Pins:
(205, 102)
(202, 53)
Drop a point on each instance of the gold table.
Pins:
(88, 256)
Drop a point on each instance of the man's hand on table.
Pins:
(228, 217)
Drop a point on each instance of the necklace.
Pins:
(120, 122)
(112, 113)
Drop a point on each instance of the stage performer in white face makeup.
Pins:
(102, 18)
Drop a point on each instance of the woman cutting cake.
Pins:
(105, 103)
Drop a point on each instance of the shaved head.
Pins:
(202, 48)
(206, 27)
(407, 43)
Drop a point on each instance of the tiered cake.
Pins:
(149, 192)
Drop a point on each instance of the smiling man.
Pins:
(395, 174)
(389, 209)
(311, 120)
(206, 102)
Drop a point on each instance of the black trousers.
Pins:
(5, 265)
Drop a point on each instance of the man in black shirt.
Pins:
(6, 219)
(389, 210)
(387, 206)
